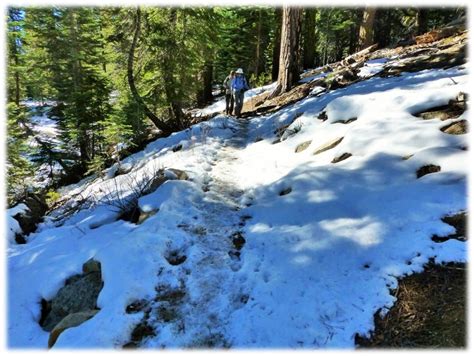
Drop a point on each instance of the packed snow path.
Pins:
(212, 289)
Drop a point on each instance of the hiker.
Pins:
(239, 86)
(229, 98)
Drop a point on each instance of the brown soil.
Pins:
(430, 168)
(459, 222)
(430, 311)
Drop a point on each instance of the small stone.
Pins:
(145, 215)
(181, 175)
(70, 321)
(302, 146)
(328, 145)
(91, 266)
(342, 157)
(456, 128)
(323, 116)
(177, 148)
(285, 191)
(238, 240)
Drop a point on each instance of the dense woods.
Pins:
(113, 77)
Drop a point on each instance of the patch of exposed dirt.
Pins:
(428, 169)
(459, 222)
(430, 311)
(285, 191)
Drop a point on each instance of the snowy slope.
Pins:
(317, 262)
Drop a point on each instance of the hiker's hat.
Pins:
(239, 71)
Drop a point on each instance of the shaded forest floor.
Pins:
(430, 311)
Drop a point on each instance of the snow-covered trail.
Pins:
(264, 245)
(213, 289)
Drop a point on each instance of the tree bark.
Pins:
(17, 80)
(205, 94)
(422, 21)
(288, 72)
(354, 36)
(309, 38)
(160, 124)
(276, 43)
(259, 67)
(366, 31)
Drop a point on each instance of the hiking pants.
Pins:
(229, 103)
(238, 101)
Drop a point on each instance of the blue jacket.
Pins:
(239, 82)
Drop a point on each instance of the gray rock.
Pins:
(342, 157)
(155, 183)
(302, 146)
(70, 321)
(76, 296)
(181, 175)
(37, 207)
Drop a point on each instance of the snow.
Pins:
(13, 225)
(47, 130)
(372, 67)
(318, 262)
(311, 78)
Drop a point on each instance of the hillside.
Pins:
(288, 228)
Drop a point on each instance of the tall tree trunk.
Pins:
(326, 39)
(276, 43)
(17, 79)
(288, 72)
(205, 94)
(258, 50)
(173, 97)
(160, 124)
(82, 137)
(366, 31)
(422, 21)
(354, 36)
(309, 38)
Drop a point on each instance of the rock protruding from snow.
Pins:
(328, 145)
(78, 295)
(33, 209)
(342, 157)
(456, 128)
(70, 321)
(302, 146)
(454, 109)
(123, 169)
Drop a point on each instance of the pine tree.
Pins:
(366, 32)
(309, 38)
(19, 169)
(288, 73)
(15, 54)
